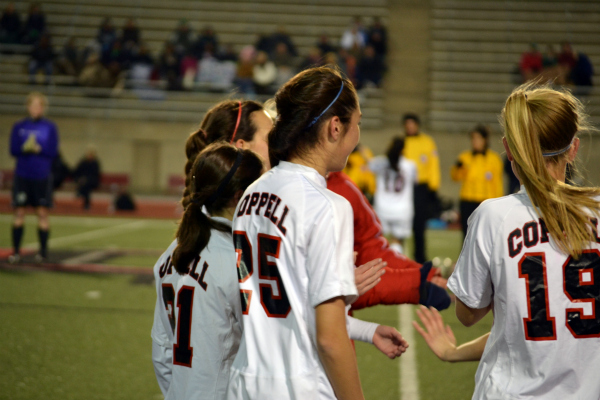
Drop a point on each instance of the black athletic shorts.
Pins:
(32, 192)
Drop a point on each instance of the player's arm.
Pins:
(15, 143)
(50, 148)
(441, 340)
(458, 172)
(335, 349)
(470, 316)
(386, 338)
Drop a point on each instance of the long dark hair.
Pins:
(219, 125)
(394, 152)
(206, 188)
(300, 101)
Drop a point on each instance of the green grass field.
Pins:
(87, 336)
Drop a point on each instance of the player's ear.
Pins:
(241, 144)
(334, 129)
(508, 153)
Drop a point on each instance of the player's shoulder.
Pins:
(498, 209)
(20, 123)
(163, 257)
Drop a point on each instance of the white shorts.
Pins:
(398, 228)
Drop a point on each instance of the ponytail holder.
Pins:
(211, 199)
(314, 121)
(557, 152)
(237, 124)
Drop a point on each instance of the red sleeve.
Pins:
(401, 281)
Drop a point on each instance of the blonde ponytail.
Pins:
(541, 120)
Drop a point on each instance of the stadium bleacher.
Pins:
(476, 47)
(157, 21)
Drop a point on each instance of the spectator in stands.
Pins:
(530, 65)
(106, 35)
(142, 66)
(550, 58)
(566, 58)
(130, 37)
(285, 64)
(183, 38)
(10, 25)
(370, 69)
(189, 70)
(582, 73)
(69, 62)
(281, 36)
(353, 39)
(87, 176)
(377, 37)
(34, 144)
(313, 59)
(169, 67)
(117, 60)
(264, 74)
(245, 71)
(264, 43)
(35, 26)
(207, 41)
(42, 57)
(94, 73)
(348, 63)
(227, 53)
(324, 45)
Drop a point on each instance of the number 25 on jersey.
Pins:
(274, 305)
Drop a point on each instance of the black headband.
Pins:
(211, 199)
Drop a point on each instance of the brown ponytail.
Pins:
(302, 100)
(541, 120)
(206, 178)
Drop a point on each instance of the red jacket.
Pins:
(402, 278)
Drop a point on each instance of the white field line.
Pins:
(90, 235)
(409, 380)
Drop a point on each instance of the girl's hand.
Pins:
(438, 337)
(368, 275)
(389, 341)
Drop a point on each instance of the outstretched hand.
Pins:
(368, 275)
(389, 341)
(438, 337)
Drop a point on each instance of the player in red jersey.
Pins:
(405, 281)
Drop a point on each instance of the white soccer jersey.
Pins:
(166, 279)
(208, 328)
(545, 341)
(294, 240)
(394, 193)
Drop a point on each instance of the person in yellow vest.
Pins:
(480, 170)
(421, 149)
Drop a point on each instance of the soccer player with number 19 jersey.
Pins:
(534, 258)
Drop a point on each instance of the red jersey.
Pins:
(401, 281)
